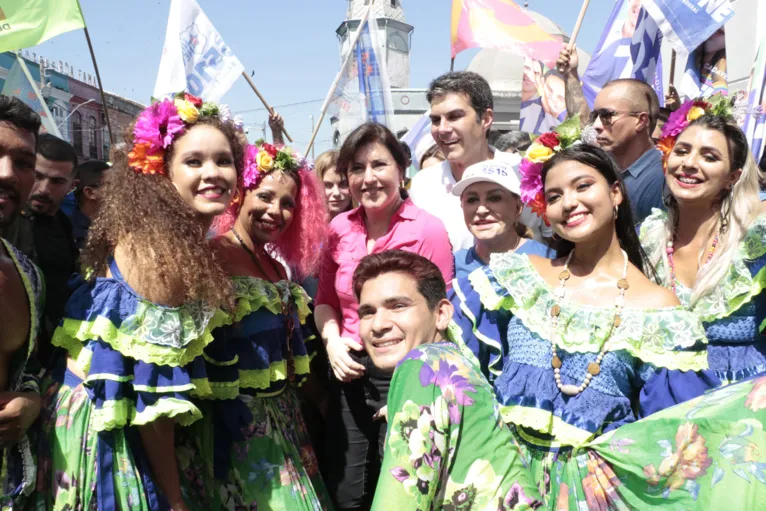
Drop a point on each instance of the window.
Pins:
(77, 132)
(393, 3)
(92, 133)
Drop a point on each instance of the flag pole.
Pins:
(263, 100)
(335, 82)
(578, 25)
(452, 64)
(673, 68)
(100, 85)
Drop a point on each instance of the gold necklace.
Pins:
(594, 368)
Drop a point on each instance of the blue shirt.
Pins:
(645, 182)
(466, 260)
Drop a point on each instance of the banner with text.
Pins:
(686, 24)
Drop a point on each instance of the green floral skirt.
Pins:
(707, 453)
(273, 467)
(68, 455)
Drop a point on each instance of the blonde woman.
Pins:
(336, 192)
(710, 246)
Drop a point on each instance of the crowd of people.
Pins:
(570, 321)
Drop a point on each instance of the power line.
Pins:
(280, 106)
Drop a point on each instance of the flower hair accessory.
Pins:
(565, 135)
(158, 126)
(262, 159)
(691, 110)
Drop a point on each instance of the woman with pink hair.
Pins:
(253, 445)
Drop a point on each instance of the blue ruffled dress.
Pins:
(252, 449)
(734, 312)
(142, 361)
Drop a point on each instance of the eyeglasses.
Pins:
(607, 116)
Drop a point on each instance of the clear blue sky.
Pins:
(290, 44)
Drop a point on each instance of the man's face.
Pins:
(555, 93)
(53, 180)
(456, 129)
(17, 169)
(395, 318)
(624, 123)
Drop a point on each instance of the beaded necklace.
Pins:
(594, 368)
(670, 250)
(286, 301)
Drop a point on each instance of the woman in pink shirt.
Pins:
(374, 164)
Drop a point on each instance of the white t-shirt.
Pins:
(431, 190)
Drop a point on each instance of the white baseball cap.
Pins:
(489, 171)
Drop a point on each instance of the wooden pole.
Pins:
(673, 68)
(335, 82)
(263, 100)
(100, 85)
(578, 25)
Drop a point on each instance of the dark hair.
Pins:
(53, 148)
(735, 138)
(429, 278)
(89, 174)
(407, 150)
(649, 96)
(14, 111)
(599, 160)
(432, 152)
(370, 133)
(517, 140)
(471, 84)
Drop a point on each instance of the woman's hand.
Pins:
(344, 367)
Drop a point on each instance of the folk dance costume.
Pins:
(18, 461)
(252, 449)
(734, 312)
(576, 379)
(142, 362)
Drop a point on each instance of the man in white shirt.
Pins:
(461, 116)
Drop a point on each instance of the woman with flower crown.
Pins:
(590, 333)
(136, 329)
(252, 449)
(709, 248)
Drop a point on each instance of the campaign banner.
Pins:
(500, 24)
(619, 52)
(194, 57)
(19, 84)
(754, 120)
(27, 23)
(706, 70)
(686, 24)
(543, 97)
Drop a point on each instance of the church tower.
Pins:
(394, 34)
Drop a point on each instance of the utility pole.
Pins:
(263, 130)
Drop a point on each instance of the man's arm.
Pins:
(575, 99)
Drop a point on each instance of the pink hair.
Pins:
(301, 243)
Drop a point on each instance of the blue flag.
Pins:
(686, 24)
(628, 48)
(371, 80)
(706, 69)
(19, 84)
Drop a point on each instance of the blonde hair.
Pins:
(738, 210)
(325, 162)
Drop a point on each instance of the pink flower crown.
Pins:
(544, 147)
(691, 110)
(159, 125)
(262, 159)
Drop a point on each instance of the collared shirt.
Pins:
(431, 189)
(645, 182)
(411, 229)
(466, 261)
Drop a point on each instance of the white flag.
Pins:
(195, 58)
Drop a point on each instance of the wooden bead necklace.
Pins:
(594, 368)
(670, 250)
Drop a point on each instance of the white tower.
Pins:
(393, 33)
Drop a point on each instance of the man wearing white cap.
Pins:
(490, 198)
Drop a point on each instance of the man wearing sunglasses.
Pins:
(624, 116)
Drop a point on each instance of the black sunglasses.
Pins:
(607, 116)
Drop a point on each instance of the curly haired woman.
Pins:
(252, 439)
(135, 331)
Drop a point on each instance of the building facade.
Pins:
(75, 104)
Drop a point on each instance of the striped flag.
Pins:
(754, 122)
(500, 24)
